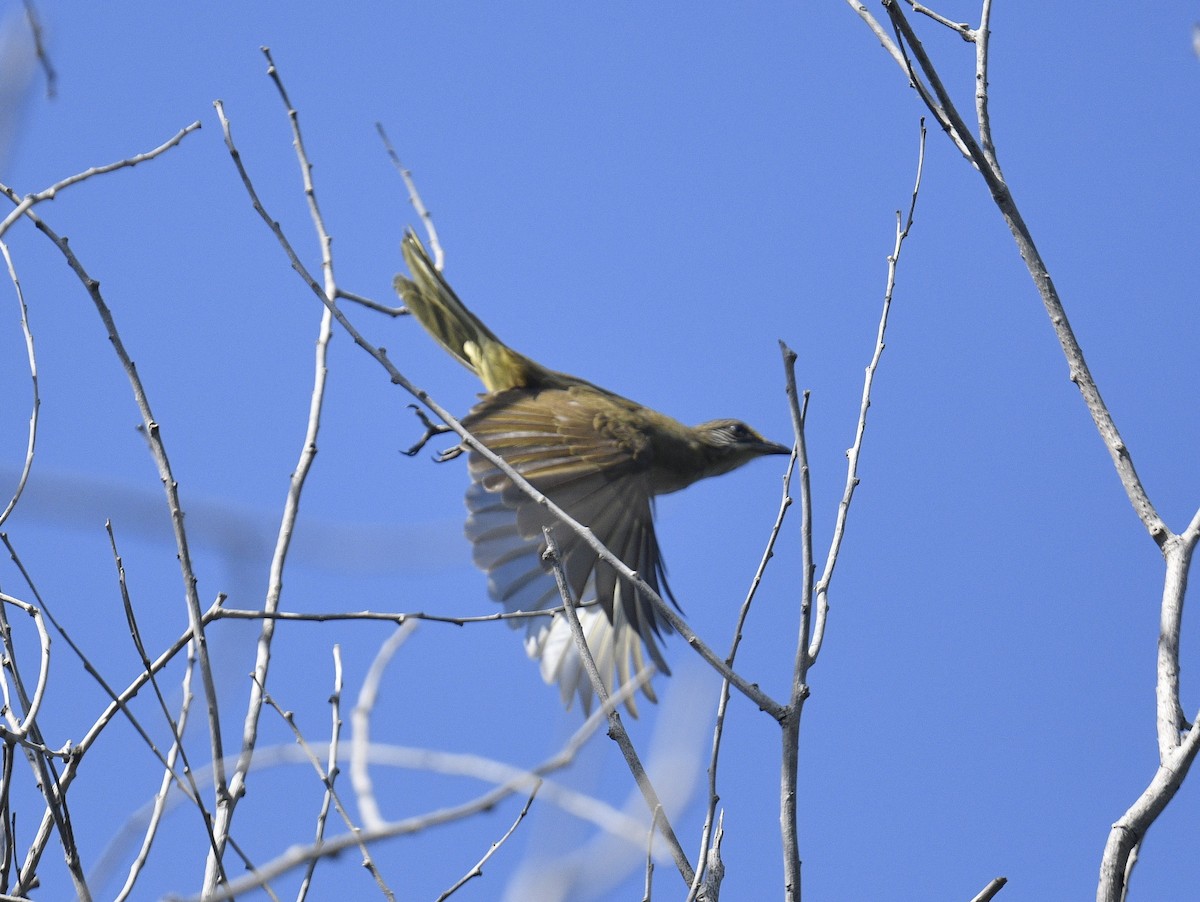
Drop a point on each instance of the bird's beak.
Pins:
(775, 448)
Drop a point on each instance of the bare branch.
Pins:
(790, 722)
(982, 38)
(150, 430)
(616, 729)
(291, 510)
(1175, 757)
(370, 304)
(398, 618)
(1080, 374)
(177, 747)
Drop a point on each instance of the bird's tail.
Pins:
(616, 649)
(429, 297)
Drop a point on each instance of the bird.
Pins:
(601, 458)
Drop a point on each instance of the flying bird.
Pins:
(601, 458)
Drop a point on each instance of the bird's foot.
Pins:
(431, 429)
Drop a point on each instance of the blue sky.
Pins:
(649, 200)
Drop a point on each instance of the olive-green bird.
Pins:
(601, 458)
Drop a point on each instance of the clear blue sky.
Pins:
(649, 199)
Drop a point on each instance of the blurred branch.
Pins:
(512, 780)
(31, 442)
(39, 46)
(360, 719)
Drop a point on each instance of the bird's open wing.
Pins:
(577, 447)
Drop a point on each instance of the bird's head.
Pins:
(727, 444)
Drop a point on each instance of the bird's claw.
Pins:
(431, 429)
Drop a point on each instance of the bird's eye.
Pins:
(739, 431)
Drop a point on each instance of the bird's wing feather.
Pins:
(565, 443)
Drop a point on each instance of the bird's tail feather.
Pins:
(615, 647)
(429, 297)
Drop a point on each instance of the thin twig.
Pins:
(477, 870)
(331, 768)
(25, 204)
(414, 198)
(398, 618)
(370, 304)
(30, 705)
(45, 610)
(169, 779)
(903, 227)
(150, 429)
(177, 746)
(649, 883)
(331, 793)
